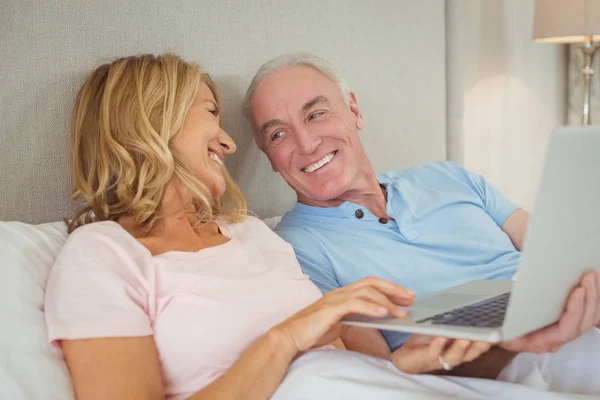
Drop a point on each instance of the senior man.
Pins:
(428, 227)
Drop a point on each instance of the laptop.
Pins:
(562, 242)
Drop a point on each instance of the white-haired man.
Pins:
(428, 228)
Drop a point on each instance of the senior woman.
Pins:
(166, 288)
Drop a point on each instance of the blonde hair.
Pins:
(124, 120)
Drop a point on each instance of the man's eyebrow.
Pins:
(311, 103)
(268, 125)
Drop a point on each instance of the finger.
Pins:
(554, 349)
(591, 302)
(572, 317)
(336, 308)
(475, 350)
(434, 351)
(418, 340)
(397, 293)
(437, 345)
(562, 332)
(455, 354)
(419, 354)
(372, 294)
(517, 345)
(360, 306)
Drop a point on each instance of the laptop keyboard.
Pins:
(488, 313)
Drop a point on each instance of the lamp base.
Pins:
(589, 50)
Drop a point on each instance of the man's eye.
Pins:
(277, 135)
(315, 115)
(214, 112)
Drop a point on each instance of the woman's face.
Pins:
(203, 143)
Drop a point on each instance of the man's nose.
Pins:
(307, 141)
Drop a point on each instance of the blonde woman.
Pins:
(165, 287)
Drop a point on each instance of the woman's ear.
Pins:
(360, 122)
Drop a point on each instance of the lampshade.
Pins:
(566, 21)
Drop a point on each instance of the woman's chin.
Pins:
(218, 188)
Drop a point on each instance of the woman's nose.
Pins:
(227, 143)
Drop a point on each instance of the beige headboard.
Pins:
(391, 52)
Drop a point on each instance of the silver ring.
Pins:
(445, 365)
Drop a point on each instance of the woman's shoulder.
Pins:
(250, 226)
(99, 230)
(100, 238)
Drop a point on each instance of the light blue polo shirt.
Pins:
(445, 231)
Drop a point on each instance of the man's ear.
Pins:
(360, 122)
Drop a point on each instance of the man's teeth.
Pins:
(325, 160)
(215, 157)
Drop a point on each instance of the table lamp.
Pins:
(571, 21)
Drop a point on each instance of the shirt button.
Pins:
(359, 214)
(383, 220)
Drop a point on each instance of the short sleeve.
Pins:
(312, 257)
(495, 204)
(99, 286)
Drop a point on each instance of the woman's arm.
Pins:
(128, 368)
(257, 373)
(114, 368)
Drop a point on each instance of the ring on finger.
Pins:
(445, 365)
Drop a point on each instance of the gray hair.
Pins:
(285, 61)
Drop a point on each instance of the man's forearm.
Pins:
(488, 366)
(365, 340)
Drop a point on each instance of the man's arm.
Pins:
(365, 340)
(515, 227)
(488, 366)
(491, 364)
(370, 341)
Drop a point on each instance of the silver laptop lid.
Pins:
(563, 238)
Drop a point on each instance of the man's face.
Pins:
(309, 133)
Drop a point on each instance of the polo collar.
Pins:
(347, 209)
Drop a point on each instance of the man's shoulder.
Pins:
(307, 241)
(429, 168)
(293, 228)
(434, 170)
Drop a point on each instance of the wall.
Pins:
(505, 94)
(391, 53)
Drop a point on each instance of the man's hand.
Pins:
(420, 354)
(582, 312)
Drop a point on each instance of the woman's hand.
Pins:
(420, 354)
(319, 324)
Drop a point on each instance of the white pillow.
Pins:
(272, 222)
(30, 368)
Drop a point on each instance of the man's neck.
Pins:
(370, 195)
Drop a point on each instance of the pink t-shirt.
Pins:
(203, 308)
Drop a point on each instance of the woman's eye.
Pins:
(277, 135)
(214, 112)
(315, 115)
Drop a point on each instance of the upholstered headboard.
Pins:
(391, 52)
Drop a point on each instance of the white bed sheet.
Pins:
(31, 369)
(338, 374)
